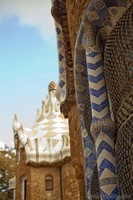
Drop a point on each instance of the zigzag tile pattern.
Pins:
(97, 87)
(105, 153)
(106, 161)
(85, 120)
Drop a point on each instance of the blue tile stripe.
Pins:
(96, 65)
(99, 92)
(100, 107)
(93, 54)
(94, 119)
(106, 146)
(97, 78)
(106, 164)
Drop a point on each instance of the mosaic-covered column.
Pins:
(99, 19)
(59, 25)
(84, 111)
(61, 89)
(102, 128)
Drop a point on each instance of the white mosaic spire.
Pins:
(48, 139)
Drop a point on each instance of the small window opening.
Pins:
(48, 183)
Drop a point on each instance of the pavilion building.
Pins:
(43, 160)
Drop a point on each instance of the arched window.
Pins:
(48, 183)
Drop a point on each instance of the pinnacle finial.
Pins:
(22, 127)
(52, 86)
(43, 106)
(15, 117)
(38, 112)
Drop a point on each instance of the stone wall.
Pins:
(37, 180)
(22, 171)
(65, 185)
(76, 149)
(70, 186)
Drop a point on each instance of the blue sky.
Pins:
(28, 62)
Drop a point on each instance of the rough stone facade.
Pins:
(76, 149)
(65, 185)
(69, 108)
(21, 171)
(37, 180)
(70, 185)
